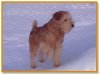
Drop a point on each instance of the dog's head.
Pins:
(64, 19)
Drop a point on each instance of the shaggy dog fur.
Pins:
(48, 38)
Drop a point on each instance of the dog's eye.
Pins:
(65, 20)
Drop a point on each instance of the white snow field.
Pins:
(79, 46)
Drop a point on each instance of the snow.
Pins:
(79, 47)
(82, 62)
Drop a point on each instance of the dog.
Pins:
(48, 38)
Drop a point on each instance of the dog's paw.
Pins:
(42, 61)
(56, 65)
(33, 66)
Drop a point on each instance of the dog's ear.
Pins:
(57, 15)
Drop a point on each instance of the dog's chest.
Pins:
(52, 38)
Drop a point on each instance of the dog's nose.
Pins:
(72, 25)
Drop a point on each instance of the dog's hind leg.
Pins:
(33, 51)
(45, 49)
(42, 52)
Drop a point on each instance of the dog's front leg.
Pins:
(41, 54)
(57, 56)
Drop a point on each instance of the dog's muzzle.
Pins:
(72, 25)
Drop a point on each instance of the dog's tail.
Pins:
(34, 24)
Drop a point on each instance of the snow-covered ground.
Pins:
(79, 47)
